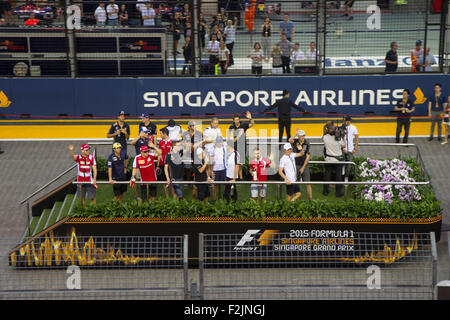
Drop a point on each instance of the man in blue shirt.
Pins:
(141, 140)
(287, 28)
(117, 170)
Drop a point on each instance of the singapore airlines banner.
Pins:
(171, 97)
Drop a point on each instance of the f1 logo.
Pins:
(248, 236)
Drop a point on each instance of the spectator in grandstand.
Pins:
(151, 127)
(286, 28)
(257, 57)
(415, 53)
(140, 5)
(266, 30)
(220, 22)
(187, 53)
(348, 5)
(187, 30)
(100, 14)
(301, 146)
(404, 108)
(427, 63)
(224, 14)
(212, 22)
(186, 14)
(87, 172)
(174, 130)
(286, 48)
(177, 29)
(297, 54)
(232, 166)
(446, 121)
(203, 30)
(2, 22)
(334, 153)
(148, 14)
(237, 131)
(351, 141)
(288, 172)
(224, 57)
(32, 21)
(117, 170)
(202, 174)
(6, 12)
(210, 135)
(144, 163)
(277, 63)
(229, 34)
(391, 58)
(258, 171)
(213, 49)
(437, 103)
(123, 15)
(216, 32)
(284, 106)
(174, 169)
(218, 164)
(312, 52)
(112, 10)
(120, 131)
(165, 144)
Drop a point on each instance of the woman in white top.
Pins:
(266, 30)
(224, 57)
(277, 63)
(257, 57)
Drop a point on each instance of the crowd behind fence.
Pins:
(209, 38)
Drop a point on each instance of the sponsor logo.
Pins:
(4, 101)
(8, 45)
(262, 98)
(248, 240)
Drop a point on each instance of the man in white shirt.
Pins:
(213, 50)
(312, 52)
(230, 36)
(100, 14)
(297, 54)
(351, 141)
(334, 153)
(232, 159)
(112, 10)
(218, 166)
(148, 15)
(210, 135)
(288, 172)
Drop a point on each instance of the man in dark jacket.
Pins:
(284, 106)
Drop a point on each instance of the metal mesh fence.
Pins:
(51, 267)
(174, 38)
(316, 264)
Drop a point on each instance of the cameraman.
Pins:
(334, 153)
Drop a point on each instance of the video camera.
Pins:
(332, 129)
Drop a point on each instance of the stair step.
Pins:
(65, 207)
(34, 221)
(69, 209)
(42, 220)
(54, 214)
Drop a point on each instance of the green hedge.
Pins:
(170, 208)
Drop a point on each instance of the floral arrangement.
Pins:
(394, 170)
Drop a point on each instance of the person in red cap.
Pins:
(145, 163)
(87, 172)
